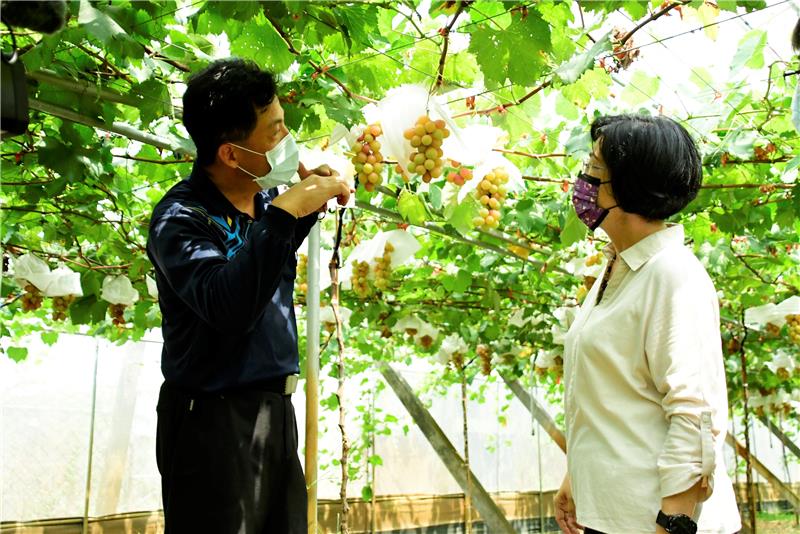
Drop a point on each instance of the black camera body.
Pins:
(39, 16)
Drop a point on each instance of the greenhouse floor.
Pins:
(402, 514)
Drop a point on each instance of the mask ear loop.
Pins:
(607, 209)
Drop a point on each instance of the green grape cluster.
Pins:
(383, 267)
(61, 307)
(359, 279)
(460, 176)
(31, 299)
(301, 281)
(793, 321)
(491, 193)
(117, 313)
(485, 355)
(427, 137)
(367, 158)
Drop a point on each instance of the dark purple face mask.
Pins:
(584, 199)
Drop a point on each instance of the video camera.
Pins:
(39, 16)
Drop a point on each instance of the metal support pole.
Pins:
(491, 514)
(312, 375)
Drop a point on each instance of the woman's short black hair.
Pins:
(221, 104)
(654, 166)
(796, 37)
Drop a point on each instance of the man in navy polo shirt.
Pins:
(223, 245)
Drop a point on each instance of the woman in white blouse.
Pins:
(645, 397)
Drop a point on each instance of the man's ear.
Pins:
(227, 155)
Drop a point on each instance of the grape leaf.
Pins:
(411, 207)
(571, 70)
(640, 89)
(17, 353)
(574, 230)
(518, 53)
(750, 52)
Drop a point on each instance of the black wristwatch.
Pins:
(676, 524)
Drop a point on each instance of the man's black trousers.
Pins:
(229, 463)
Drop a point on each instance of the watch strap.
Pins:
(662, 520)
(676, 524)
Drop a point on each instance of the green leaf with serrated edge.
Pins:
(411, 207)
(461, 215)
(740, 143)
(98, 23)
(262, 43)
(514, 53)
(574, 230)
(366, 493)
(49, 338)
(571, 70)
(750, 51)
(17, 353)
(579, 143)
(642, 88)
(80, 312)
(435, 197)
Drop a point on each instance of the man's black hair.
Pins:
(653, 163)
(222, 103)
(796, 37)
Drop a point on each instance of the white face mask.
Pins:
(283, 161)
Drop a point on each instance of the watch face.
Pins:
(682, 524)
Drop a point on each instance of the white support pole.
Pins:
(120, 429)
(122, 129)
(312, 375)
(83, 88)
(88, 492)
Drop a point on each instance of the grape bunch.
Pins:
(359, 279)
(558, 366)
(383, 267)
(399, 170)
(491, 193)
(61, 307)
(425, 341)
(367, 158)
(773, 330)
(329, 327)
(302, 274)
(485, 355)
(794, 328)
(31, 299)
(427, 136)
(595, 259)
(117, 313)
(457, 359)
(459, 177)
(581, 293)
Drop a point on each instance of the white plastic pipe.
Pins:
(312, 374)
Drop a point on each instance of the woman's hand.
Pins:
(565, 509)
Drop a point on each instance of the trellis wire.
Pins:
(717, 23)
